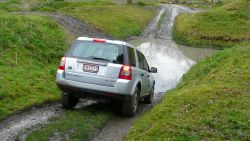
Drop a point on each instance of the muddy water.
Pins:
(171, 59)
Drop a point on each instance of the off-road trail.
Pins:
(155, 42)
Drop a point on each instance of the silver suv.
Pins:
(106, 69)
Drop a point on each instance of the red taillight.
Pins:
(99, 40)
(62, 64)
(125, 73)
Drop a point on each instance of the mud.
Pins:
(11, 127)
(117, 127)
(19, 125)
(74, 27)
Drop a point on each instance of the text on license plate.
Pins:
(90, 68)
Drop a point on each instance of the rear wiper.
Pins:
(100, 59)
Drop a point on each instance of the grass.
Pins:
(220, 27)
(211, 102)
(30, 47)
(75, 125)
(120, 21)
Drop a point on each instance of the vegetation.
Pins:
(219, 27)
(30, 47)
(211, 102)
(120, 21)
(73, 125)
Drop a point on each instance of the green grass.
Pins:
(30, 48)
(219, 27)
(75, 125)
(120, 21)
(211, 102)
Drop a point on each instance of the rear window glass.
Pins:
(132, 60)
(97, 51)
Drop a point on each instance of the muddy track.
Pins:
(74, 27)
(19, 125)
(117, 127)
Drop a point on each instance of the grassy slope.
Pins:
(211, 103)
(119, 21)
(36, 43)
(219, 27)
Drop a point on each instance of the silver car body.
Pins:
(106, 80)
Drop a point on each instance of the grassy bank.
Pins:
(30, 47)
(120, 21)
(211, 102)
(219, 27)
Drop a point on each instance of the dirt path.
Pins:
(74, 27)
(116, 128)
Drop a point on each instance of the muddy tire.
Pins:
(149, 98)
(68, 101)
(129, 108)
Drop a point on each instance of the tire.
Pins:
(149, 98)
(68, 101)
(129, 108)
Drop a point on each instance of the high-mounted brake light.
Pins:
(99, 40)
(62, 64)
(125, 72)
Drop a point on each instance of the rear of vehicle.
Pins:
(96, 68)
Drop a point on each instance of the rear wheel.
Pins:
(149, 98)
(68, 101)
(129, 108)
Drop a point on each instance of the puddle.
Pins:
(172, 60)
(161, 51)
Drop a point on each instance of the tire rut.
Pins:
(74, 27)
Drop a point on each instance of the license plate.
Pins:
(90, 68)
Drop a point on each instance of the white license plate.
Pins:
(90, 68)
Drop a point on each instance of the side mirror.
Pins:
(153, 70)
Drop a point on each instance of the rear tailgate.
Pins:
(106, 75)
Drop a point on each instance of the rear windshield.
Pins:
(97, 51)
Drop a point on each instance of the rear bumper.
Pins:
(87, 93)
(122, 90)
